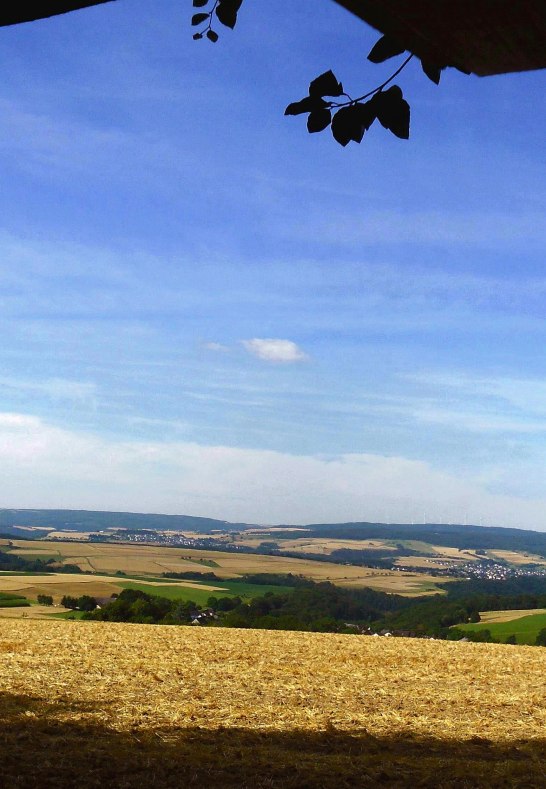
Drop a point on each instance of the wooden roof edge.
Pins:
(413, 39)
(484, 37)
(17, 12)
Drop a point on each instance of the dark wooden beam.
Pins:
(480, 36)
(14, 13)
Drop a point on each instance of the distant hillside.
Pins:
(90, 520)
(452, 534)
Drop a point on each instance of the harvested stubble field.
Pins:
(517, 557)
(319, 545)
(59, 584)
(32, 612)
(101, 704)
(508, 616)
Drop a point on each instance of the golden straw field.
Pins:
(488, 617)
(101, 704)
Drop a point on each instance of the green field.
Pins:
(200, 596)
(201, 562)
(10, 600)
(19, 572)
(525, 629)
(68, 615)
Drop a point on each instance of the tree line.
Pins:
(324, 607)
(12, 562)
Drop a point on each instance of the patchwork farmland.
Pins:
(100, 562)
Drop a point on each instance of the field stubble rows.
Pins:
(317, 709)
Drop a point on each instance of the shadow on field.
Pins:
(55, 745)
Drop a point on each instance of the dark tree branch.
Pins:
(375, 90)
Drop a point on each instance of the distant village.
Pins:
(151, 536)
(485, 569)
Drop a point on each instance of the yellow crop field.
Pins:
(517, 557)
(509, 616)
(31, 612)
(101, 704)
(317, 544)
(455, 553)
(407, 584)
(154, 560)
(59, 584)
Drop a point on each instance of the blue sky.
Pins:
(206, 310)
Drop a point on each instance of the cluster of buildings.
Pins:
(496, 571)
(485, 569)
(150, 536)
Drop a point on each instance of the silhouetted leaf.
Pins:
(392, 111)
(384, 49)
(197, 36)
(432, 72)
(226, 16)
(308, 104)
(226, 11)
(198, 18)
(212, 36)
(326, 85)
(394, 92)
(318, 120)
(350, 123)
(199, 3)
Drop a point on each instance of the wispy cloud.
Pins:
(216, 347)
(53, 388)
(523, 395)
(479, 421)
(171, 425)
(271, 350)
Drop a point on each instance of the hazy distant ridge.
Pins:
(91, 520)
(454, 535)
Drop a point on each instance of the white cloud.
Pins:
(218, 347)
(18, 421)
(484, 404)
(275, 350)
(42, 465)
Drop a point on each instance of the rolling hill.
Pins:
(91, 520)
(454, 535)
